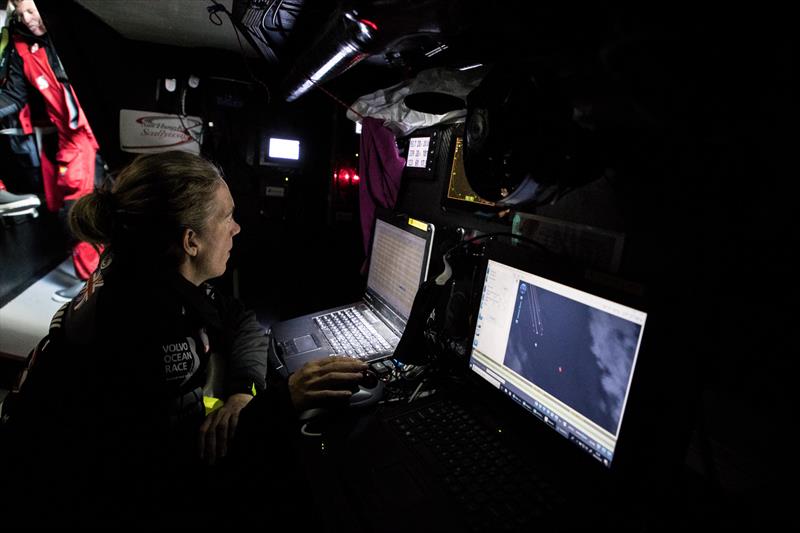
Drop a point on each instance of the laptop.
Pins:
(529, 430)
(371, 328)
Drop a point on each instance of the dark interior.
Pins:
(690, 126)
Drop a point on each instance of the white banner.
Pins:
(150, 131)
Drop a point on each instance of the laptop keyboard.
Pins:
(493, 487)
(350, 333)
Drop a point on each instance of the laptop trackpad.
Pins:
(306, 343)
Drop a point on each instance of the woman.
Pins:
(120, 387)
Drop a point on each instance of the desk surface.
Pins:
(362, 478)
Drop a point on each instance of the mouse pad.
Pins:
(306, 343)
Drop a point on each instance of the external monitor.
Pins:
(565, 355)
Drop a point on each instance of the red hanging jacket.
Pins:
(77, 146)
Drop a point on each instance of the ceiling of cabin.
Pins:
(174, 22)
(410, 35)
(293, 24)
(311, 41)
(297, 34)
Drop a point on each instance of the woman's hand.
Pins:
(325, 379)
(219, 426)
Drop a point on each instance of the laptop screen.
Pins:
(565, 355)
(398, 264)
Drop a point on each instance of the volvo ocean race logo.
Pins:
(180, 360)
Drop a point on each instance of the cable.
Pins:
(498, 234)
(447, 273)
(416, 391)
(214, 10)
(213, 14)
(275, 15)
(335, 98)
(183, 115)
(277, 18)
(307, 433)
(263, 36)
(263, 23)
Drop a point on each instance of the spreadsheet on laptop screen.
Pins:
(396, 266)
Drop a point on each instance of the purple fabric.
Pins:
(380, 167)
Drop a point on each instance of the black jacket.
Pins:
(15, 90)
(107, 419)
(148, 338)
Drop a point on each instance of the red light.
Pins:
(345, 176)
(370, 24)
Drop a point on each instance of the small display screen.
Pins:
(418, 152)
(284, 149)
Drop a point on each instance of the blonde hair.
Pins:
(150, 204)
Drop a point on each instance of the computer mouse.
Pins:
(369, 392)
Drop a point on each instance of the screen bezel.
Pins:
(631, 445)
(569, 421)
(435, 146)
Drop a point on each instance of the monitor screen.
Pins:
(398, 264)
(458, 188)
(418, 152)
(421, 150)
(284, 148)
(565, 355)
(280, 150)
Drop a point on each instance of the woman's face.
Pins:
(28, 14)
(216, 240)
